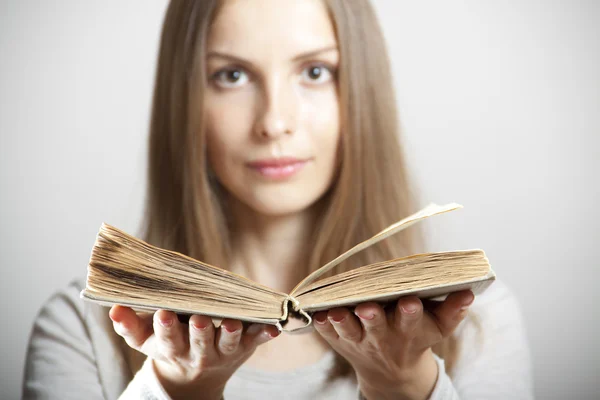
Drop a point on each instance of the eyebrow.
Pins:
(299, 57)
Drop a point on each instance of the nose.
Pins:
(276, 116)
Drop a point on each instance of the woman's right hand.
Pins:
(190, 361)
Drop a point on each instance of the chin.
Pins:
(283, 200)
(281, 207)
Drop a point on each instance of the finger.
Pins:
(228, 337)
(408, 315)
(171, 338)
(374, 321)
(324, 328)
(202, 337)
(429, 304)
(257, 334)
(452, 311)
(345, 324)
(134, 329)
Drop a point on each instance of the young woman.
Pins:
(274, 148)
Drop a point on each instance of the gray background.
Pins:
(499, 102)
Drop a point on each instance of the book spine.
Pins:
(291, 309)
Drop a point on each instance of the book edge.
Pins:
(85, 295)
(432, 292)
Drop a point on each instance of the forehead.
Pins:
(282, 27)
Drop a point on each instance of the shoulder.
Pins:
(66, 316)
(493, 345)
(65, 311)
(498, 291)
(494, 314)
(64, 303)
(63, 314)
(495, 309)
(65, 323)
(73, 338)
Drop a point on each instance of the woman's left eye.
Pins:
(317, 74)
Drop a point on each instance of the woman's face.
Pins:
(272, 109)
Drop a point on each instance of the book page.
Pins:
(128, 271)
(430, 210)
(437, 293)
(416, 272)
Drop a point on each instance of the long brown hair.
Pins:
(184, 210)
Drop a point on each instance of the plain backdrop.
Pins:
(499, 103)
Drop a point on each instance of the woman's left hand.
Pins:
(391, 352)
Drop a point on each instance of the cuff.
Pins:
(145, 385)
(443, 389)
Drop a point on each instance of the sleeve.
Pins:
(494, 360)
(145, 385)
(60, 361)
(69, 356)
(443, 389)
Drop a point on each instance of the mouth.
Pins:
(278, 168)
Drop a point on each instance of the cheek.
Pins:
(320, 113)
(321, 116)
(227, 125)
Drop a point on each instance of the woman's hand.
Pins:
(391, 352)
(190, 360)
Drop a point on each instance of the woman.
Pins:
(273, 148)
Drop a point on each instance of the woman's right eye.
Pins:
(230, 78)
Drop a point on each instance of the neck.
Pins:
(271, 250)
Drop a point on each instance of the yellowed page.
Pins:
(430, 210)
(438, 292)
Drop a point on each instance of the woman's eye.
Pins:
(317, 74)
(230, 78)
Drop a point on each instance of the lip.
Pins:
(278, 168)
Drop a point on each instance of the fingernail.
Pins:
(369, 316)
(409, 309)
(273, 335)
(320, 319)
(166, 322)
(230, 330)
(337, 320)
(253, 329)
(199, 327)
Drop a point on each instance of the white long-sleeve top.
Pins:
(74, 353)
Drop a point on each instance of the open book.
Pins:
(127, 271)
